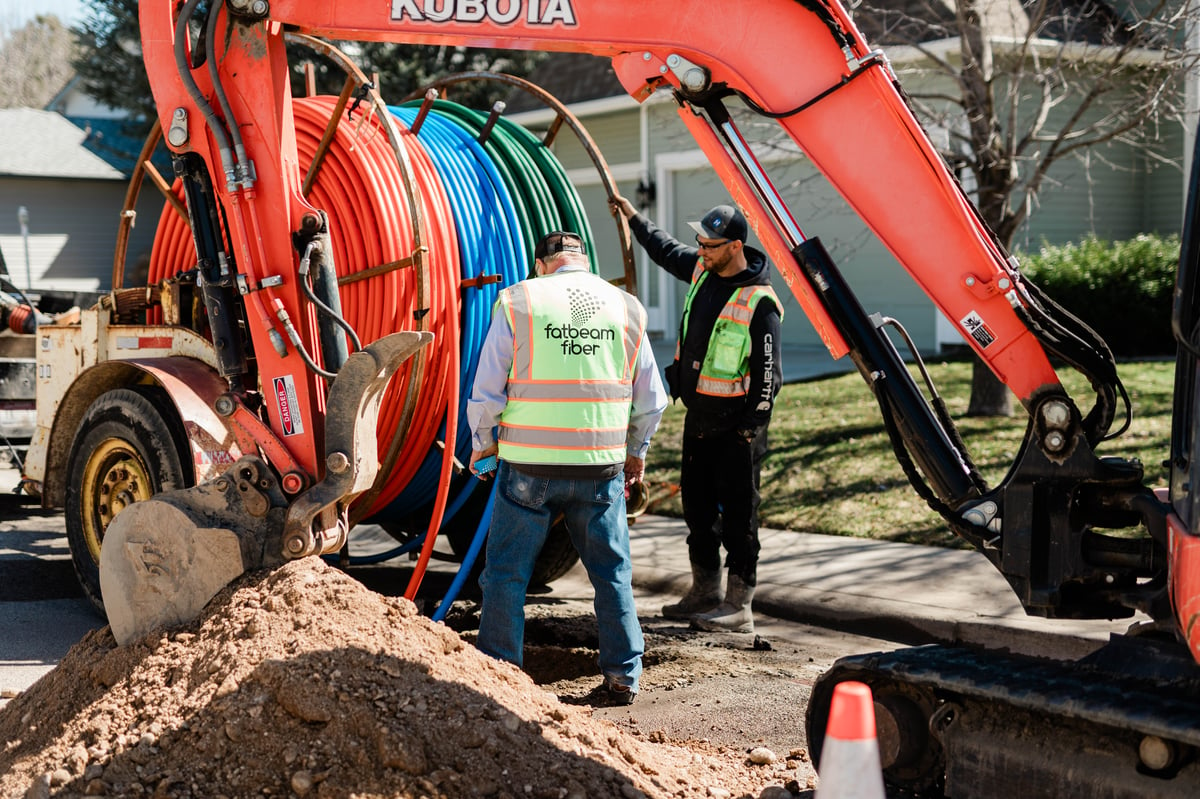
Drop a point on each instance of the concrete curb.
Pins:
(899, 592)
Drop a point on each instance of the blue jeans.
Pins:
(594, 511)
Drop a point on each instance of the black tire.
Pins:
(557, 557)
(129, 447)
(460, 529)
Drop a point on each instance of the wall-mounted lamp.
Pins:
(645, 194)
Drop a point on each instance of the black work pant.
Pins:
(719, 485)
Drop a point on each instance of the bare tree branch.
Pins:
(1035, 82)
(1020, 85)
(35, 62)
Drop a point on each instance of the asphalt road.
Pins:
(43, 612)
(726, 694)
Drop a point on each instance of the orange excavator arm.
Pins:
(221, 85)
(852, 123)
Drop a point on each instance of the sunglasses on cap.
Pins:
(559, 241)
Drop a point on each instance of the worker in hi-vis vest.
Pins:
(727, 371)
(567, 396)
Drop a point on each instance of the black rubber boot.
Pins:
(703, 596)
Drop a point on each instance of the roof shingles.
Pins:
(45, 144)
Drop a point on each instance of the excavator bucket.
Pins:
(164, 558)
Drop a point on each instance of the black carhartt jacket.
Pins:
(706, 414)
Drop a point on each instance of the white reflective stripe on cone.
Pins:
(850, 766)
(849, 770)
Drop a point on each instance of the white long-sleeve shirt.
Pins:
(489, 398)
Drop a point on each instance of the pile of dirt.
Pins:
(301, 682)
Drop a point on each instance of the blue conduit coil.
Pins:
(527, 196)
(505, 193)
(489, 237)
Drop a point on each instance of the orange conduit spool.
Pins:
(441, 311)
(173, 251)
(364, 198)
(18, 317)
(360, 187)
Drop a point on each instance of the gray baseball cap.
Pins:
(722, 222)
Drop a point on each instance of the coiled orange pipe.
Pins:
(360, 187)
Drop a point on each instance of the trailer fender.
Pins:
(192, 387)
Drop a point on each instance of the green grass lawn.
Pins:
(831, 468)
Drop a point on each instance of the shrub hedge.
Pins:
(1122, 289)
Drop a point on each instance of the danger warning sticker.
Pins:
(289, 406)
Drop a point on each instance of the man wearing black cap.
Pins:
(567, 395)
(727, 371)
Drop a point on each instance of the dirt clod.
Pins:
(301, 682)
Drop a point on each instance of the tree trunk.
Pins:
(989, 396)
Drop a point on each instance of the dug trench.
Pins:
(304, 682)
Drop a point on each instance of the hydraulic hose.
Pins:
(189, 83)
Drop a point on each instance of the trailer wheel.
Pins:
(557, 557)
(126, 450)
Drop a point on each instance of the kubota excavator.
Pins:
(278, 414)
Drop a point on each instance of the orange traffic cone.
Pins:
(849, 767)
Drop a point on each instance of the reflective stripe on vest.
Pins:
(575, 345)
(726, 368)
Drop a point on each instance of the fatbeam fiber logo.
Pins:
(573, 337)
(500, 12)
(577, 340)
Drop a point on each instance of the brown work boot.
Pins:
(703, 596)
(732, 615)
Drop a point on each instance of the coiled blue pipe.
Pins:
(489, 234)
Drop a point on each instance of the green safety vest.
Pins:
(570, 388)
(726, 368)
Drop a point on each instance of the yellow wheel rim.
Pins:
(114, 478)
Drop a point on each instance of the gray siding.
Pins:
(1165, 187)
(611, 134)
(72, 230)
(605, 233)
(1114, 193)
(882, 285)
